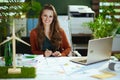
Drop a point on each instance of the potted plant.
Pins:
(103, 26)
(6, 18)
(31, 8)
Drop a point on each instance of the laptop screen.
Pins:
(99, 49)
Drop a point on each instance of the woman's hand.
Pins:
(56, 54)
(48, 53)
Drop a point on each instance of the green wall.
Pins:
(62, 5)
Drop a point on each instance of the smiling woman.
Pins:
(48, 38)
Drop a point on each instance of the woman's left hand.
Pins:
(56, 54)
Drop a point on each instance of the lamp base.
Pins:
(14, 70)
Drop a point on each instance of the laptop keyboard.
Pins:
(79, 60)
(83, 61)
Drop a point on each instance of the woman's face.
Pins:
(47, 17)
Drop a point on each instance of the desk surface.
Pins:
(60, 68)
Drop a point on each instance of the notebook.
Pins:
(98, 50)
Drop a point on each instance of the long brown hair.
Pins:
(55, 36)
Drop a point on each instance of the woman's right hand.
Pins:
(48, 53)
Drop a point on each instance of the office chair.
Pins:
(22, 48)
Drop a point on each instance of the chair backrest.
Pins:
(22, 48)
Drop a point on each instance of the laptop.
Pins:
(98, 50)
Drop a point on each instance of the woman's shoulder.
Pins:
(61, 29)
(33, 30)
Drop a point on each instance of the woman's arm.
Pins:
(66, 48)
(34, 44)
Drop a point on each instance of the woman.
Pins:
(48, 38)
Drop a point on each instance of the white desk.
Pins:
(60, 68)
